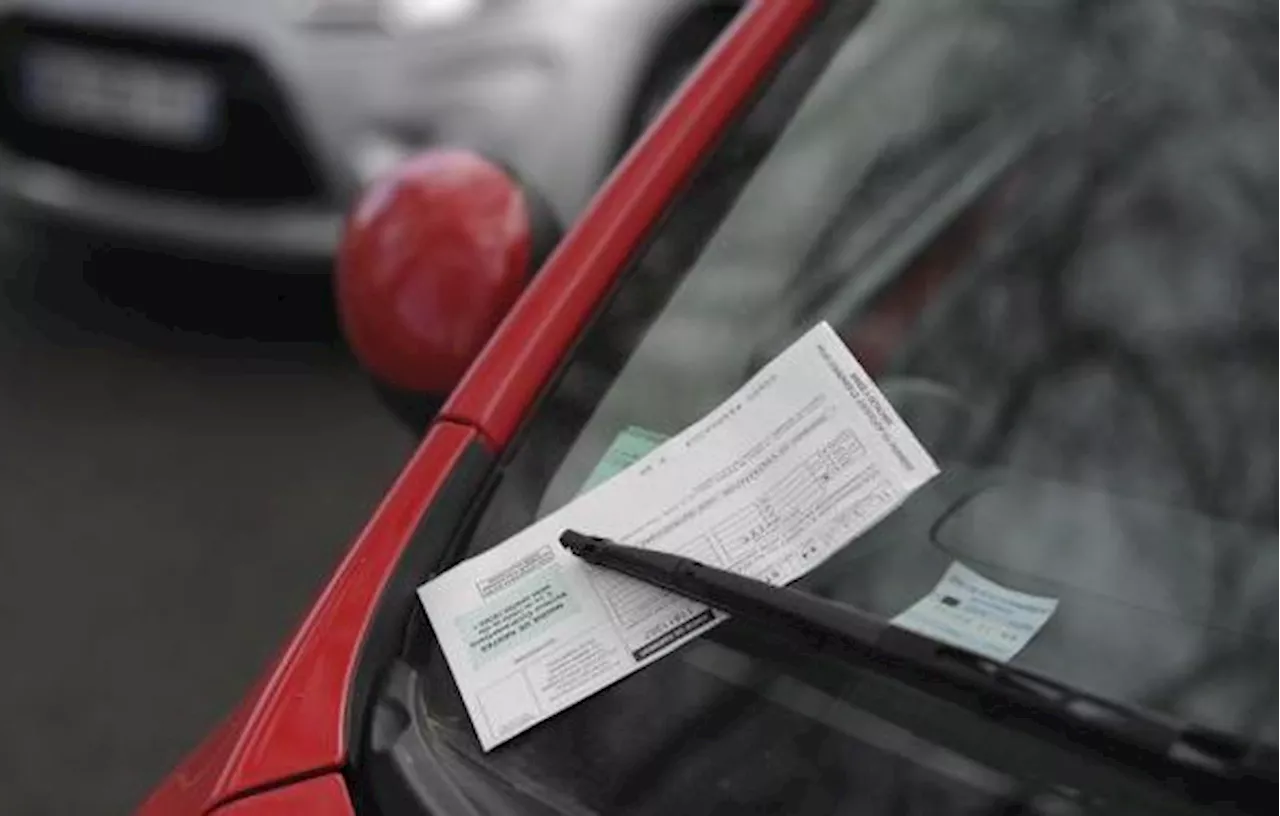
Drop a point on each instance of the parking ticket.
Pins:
(787, 471)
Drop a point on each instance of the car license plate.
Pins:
(121, 96)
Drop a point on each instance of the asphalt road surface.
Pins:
(185, 452)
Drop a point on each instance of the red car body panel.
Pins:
(321, 796)
(291, 725)
(289, 732)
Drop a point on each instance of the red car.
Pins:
(1047, 229)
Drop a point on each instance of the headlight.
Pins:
(414, 13)
(390, 14)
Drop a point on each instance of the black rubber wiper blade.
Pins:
(1200, 762)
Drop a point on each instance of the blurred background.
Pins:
(186, 447)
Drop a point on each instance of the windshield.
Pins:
(1049, 231)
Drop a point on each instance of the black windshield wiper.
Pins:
(1202, 762)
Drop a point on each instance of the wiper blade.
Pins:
(1199, 761)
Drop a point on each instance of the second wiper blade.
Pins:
(1193, 758)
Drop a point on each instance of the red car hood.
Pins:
(291, 724)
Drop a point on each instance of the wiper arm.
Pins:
(1199, 761)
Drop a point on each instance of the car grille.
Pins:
(260, 157)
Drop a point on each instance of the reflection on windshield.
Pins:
(878, 141)
(1050, 230)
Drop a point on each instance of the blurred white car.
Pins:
(244, 128)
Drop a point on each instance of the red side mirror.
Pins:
(433, 257)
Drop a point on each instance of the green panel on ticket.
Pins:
(516, 615)
(629, 447)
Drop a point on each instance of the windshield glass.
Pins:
(1048, 229)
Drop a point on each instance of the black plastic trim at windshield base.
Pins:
(404, 774)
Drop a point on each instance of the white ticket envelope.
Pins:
(788, 470)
